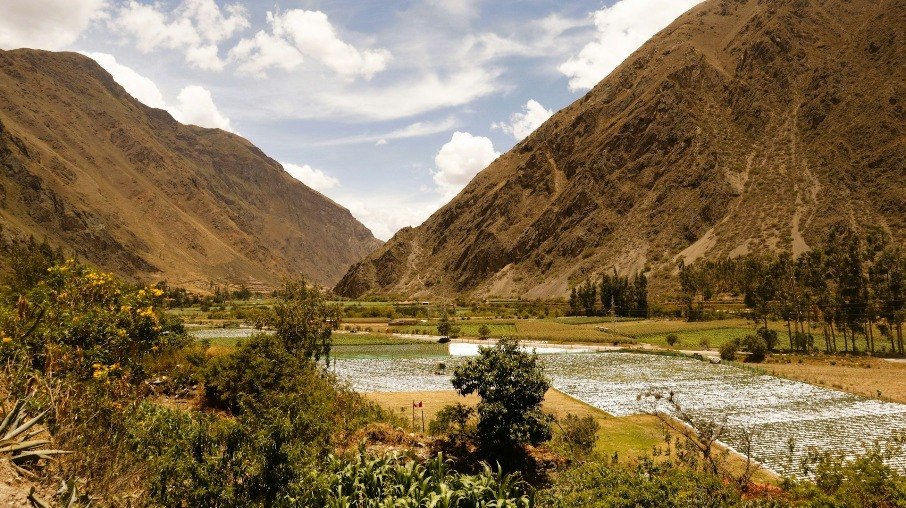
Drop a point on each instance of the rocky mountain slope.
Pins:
(128, 188)
(745, 125)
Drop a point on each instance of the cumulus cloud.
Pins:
(622, 28)
(46, 24)
(194, 104)
(460, 159)
(136, 85)
(314, 178)
(195, 26)
(385, 214)
(522, 124)
(297, 34)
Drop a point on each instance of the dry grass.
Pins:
(628, 437)
(869, 377)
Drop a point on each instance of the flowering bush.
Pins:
(80, 321)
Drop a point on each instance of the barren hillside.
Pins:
(128, 188)
(746, 125)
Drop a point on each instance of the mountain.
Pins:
(746, 125)
(128, 188)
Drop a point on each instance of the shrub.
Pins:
(769, 337)
(648, 484)
(304, 320)
(756, 347)
(260, 365)
(511, 384)
(728, 350)
(672, 339)
(452, 419)
(580, 433)
(85, 323)
(484, 332)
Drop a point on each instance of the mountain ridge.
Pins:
(743, 126)
(129, 188)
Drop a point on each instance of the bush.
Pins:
(728, 350)
(81, 322)
(484, 332)
(769, 337)
(259, 366)
(453, 420)
(672, 340)
(511, 384)
(645, 484)
(580, 433)
(757, 348)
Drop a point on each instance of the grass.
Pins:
(627, 437)
(864, 376)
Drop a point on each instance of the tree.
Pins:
(484, 332)
(444, 327)
(304, 320)
(511, 385)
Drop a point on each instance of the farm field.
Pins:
(773, 409)
(860, 375)
(627, 436)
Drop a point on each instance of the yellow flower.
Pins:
(7, 340)
(157, 292)
(149, 312)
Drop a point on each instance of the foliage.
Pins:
(672, 339)
(444, 326)
(82, 322)
(864, 480)
(304, 320)
(511, 384)
(17, 444)
(261, 365)
(644, 485)
(484, 331)
(849, 287)
(391, 480)
(757, 348)
(618, 295)
(452, 420)
(728, 350)
(769, 336)
(580, 433)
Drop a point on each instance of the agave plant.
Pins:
(17, 443)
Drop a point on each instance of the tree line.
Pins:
(618, 295)
(853, 287)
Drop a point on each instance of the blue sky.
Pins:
(387, 107)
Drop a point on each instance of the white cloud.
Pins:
(194, 104)
(386, 214)
(195, 26)
(622, 28)
(136, 85)
(314, 178)
(522, 124)
(460, 159)
(46, 24)
(411, 97)
(297, 34)
(415, 130)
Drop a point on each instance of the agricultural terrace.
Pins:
(773, 410)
